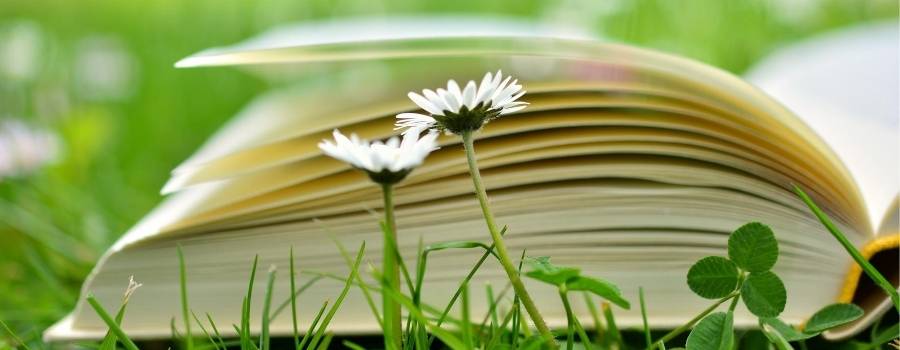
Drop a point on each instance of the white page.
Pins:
(845, 86)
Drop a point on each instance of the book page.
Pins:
(845, 86)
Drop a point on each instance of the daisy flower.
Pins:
(385, 162)
(456, 110)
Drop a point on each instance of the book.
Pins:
(629, 163)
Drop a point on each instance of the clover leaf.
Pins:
(753, 247)
(764, 294)
(831, 316)
(713, 277)
(714, 332)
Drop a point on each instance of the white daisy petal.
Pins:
(451, 101)
(468, 95)
(485, 88)
(393, 142)
(453, 88)
(436, 100)
(414, 120)
(512, 109)
(500, 88)
(423, 103)
(510, 98)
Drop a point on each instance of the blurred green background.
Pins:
(93, 81)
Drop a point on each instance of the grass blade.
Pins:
(493, 303)
(312, 326)
(448, 338)
(492, 311)
(496, 337)
(216, 331)
(466, 326)
(242, 331)
(294, 302)
(182, 273)
(109, 341)
(362, 285)
(352, 346)
(14, 337)
(585, 340)
(246, 342)
(488, 252)
(297, 292)
(203, 329)
(595, 315)
(267, 303)
(176, 337)
(126, 342)
(857, 256)
(337, 303)
(644, 317)
(613, 336)
(326, 342)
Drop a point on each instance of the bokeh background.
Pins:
(93, 116)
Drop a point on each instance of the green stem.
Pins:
(570, 318)
(734, 302)
(500, 246)
(870, 270)
(675, 332)
(392, 318)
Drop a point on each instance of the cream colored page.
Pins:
(611, 219)
(845, 85)
(701, 79)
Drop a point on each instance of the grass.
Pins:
(55, 224)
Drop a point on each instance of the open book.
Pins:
(628, 163)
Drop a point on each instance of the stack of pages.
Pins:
(628, 163)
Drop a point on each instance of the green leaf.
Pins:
(713, 277)
(543, 270)
(753, 247)
(714, 332)
(832, 316)
(764, 294)
(600, 287)
(774, 337)
(787, 331)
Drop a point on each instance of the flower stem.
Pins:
(675, 332)
(500, 246)
(392, 317)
